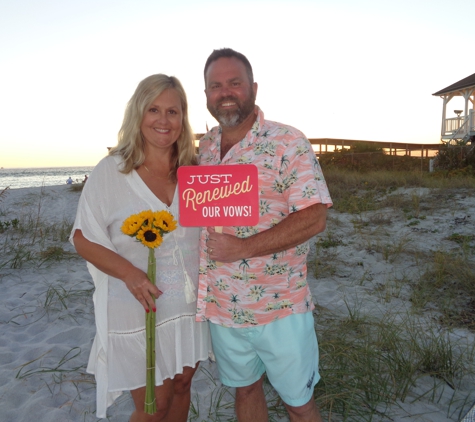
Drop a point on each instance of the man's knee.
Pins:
(251, 389)
(309, 408)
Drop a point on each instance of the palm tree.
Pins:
(284, 162)
(245, 265)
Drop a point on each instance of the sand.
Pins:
(47, 319)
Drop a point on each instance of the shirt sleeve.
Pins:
(302, 176)
(92, 208)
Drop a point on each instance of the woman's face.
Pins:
(162, 121)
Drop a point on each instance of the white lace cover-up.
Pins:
(117, 357)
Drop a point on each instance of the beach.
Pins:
(16, 178)
(362, 266)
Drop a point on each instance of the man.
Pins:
(257, 300)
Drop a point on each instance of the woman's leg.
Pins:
(164, 397)
(182, 395)
(173, 399)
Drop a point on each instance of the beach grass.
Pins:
(3, 192)
(370, 362)
(448, 286)
(356, 192)
(29, 238)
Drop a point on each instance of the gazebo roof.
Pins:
(467, 82)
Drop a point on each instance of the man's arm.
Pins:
(295, 229)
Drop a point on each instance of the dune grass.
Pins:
(4, 192)
(356, 192)
(370, 364)
(448, 286)
(29, 239)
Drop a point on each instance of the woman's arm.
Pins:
(116, 266)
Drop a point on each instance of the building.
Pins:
(459, 129)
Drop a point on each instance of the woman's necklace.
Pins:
(158, 177)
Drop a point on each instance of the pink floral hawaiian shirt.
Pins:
(259, 290)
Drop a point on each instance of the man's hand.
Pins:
(224, 247)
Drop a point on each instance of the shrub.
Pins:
(366, 158)
(456, 160)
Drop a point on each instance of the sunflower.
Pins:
(164, 221)
(145, 217)
(131, 225)
(149, 236)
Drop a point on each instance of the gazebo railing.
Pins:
(452, 125)
(458, 127)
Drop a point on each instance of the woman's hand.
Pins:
(116, 266)
(143, 290)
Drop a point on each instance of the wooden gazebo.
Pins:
(460, 129)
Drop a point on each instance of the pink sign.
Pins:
(219, 195)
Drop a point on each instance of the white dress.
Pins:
(117, 357)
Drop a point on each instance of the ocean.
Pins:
(37, 177)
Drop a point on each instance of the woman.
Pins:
(140, 174)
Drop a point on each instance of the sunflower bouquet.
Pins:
(148, 228)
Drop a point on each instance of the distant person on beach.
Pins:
(85, 178)
(139, 174)
(258, 301)
(69, 181)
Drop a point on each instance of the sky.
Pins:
(352, 69)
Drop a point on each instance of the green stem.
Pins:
(150, 406)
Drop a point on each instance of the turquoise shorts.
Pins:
(286, 350)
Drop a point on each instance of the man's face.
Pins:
(230, 95)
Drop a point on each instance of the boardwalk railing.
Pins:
(324, 145)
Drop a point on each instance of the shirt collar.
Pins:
(253, 133)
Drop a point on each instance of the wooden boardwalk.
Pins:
(392, 148)
(324, 145)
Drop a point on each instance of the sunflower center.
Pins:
(150, 236)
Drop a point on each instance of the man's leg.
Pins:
(307, 413)
(251, 403)
(239, 365)
(288, 348)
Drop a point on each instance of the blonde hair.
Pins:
(130, 144)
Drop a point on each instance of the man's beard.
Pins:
(231, 118)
